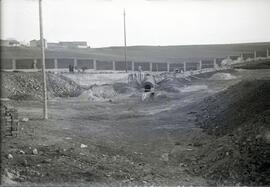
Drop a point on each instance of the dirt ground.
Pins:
(120, 140)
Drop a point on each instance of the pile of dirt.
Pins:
(107, 92)
(173, 84)
(238, 120)
(28, 86)
(60, 86)
(257, 65)
(222, 76)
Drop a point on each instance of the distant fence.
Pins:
(62, 64)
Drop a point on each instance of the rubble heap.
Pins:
(28, 86)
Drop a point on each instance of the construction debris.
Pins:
(9, 121)
(25, 119)
(35, 151)
(83, 146)
(9, 156)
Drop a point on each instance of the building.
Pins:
(36, 43)
(10, 43)
(74, 44)
(54, 45)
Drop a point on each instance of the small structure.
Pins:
(10, 43)
(54, 45)
(37, 43)
(74, 44)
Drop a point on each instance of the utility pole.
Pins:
(125, 40)
(45, 107)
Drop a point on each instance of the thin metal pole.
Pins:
(125, 40)
(45, 107)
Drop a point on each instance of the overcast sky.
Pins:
(149, 22)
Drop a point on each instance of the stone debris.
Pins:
(83, 146)
(165, 157)
(25, 119)
(28, 86)
(9, 156)
(35, 151)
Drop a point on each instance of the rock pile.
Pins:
(28, 86)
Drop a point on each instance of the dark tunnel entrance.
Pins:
(147, 88)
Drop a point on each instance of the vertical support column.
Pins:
(35, 64)
(132, 65)
(242, 56)
(151, 66)
(215, 64)
(168, 67)
(255, 55)
(200, 65)
(113, 64)
(55, 63)
(267, 53)
(95, 64)
(75, 62)
(14, 64)
(185, 66)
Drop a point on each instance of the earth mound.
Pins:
(238, 120)
(222, 76)
(28, 86)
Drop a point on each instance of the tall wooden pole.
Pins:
(45, 106)
(125, 40)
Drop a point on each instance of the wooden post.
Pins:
(168, 67)
(132, 65)
(14, 64)
(267, 55)
(35, 64)
(55, 63)
(113, 62)
(151, 66)
(185, 66)
(125, 40)
(75, 62)
(45, 106)
(95, 64)
(215, 63)
(200, 65)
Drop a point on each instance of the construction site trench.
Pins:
(208, 129)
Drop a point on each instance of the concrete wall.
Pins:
(121, 65)
(159, 66)
(207, 64)
(104, 65)
(49, 63)
(63, 63)
(248, 55)
(234, 57)
(88, 63)
(145, 66)
(179, 66)
(24, 63)
(190, 66)
(6, 64)
(261, 54)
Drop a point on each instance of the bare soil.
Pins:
(128, 141)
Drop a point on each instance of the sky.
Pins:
(148, 22)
